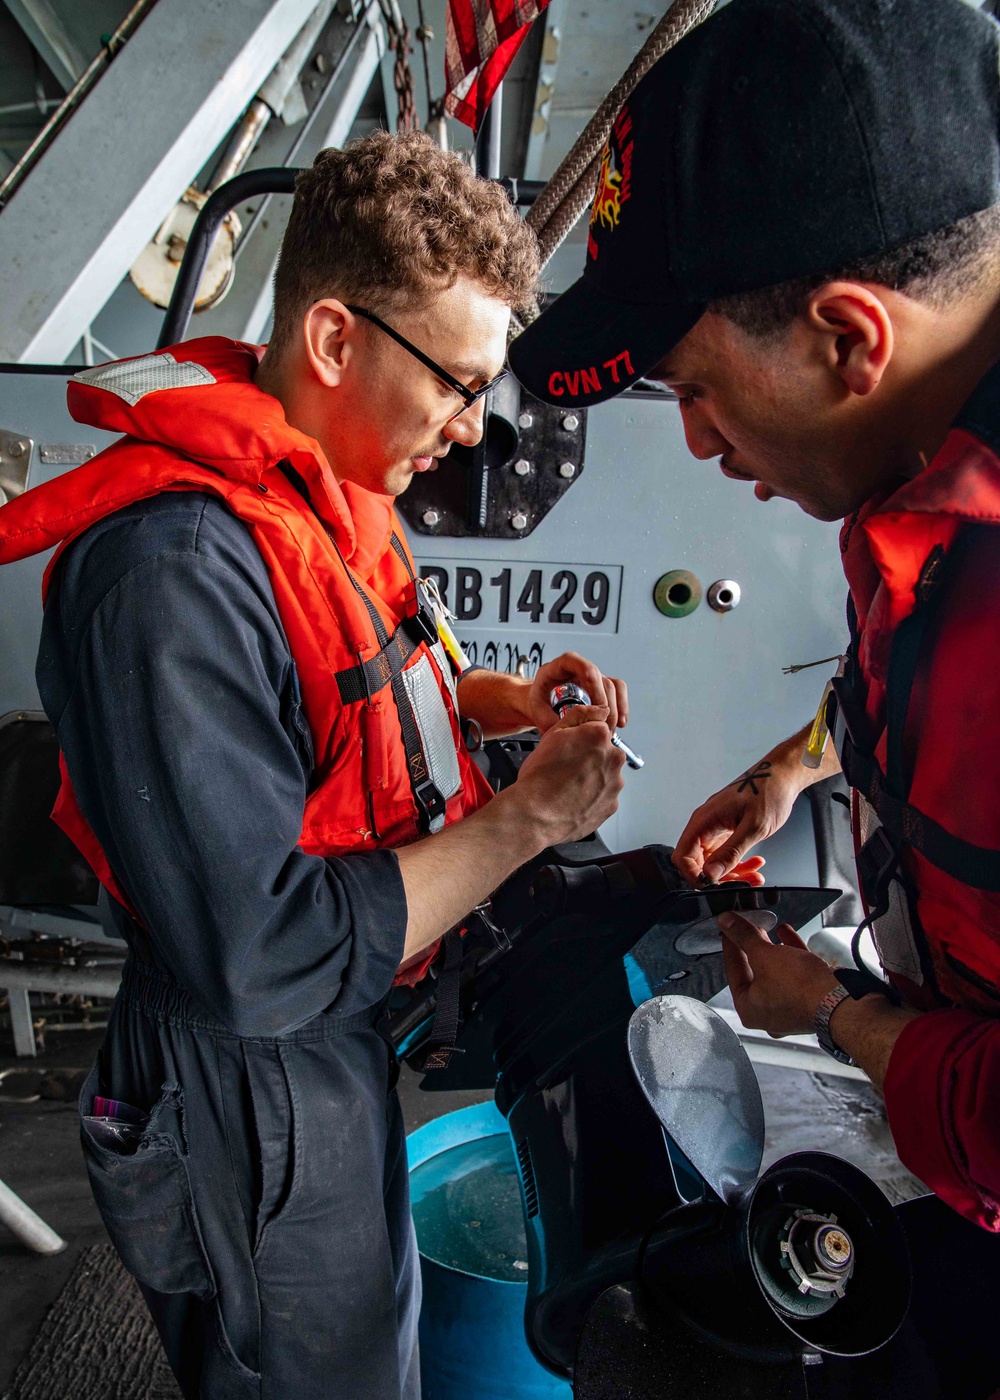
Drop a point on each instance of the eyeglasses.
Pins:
(469, 396)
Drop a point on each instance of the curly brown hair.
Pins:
(390, 219)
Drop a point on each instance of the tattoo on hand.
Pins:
(753, 776)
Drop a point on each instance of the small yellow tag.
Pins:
(442, 619)
(819, 735)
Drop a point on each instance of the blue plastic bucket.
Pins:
(470, 1228)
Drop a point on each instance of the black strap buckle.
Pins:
(421, 625)
(430, 802)
(846, 717)
(878, 860)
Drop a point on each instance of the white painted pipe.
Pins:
(82, 981)
(29, 1228)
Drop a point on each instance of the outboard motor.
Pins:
(545, 1002)
(661, 1263)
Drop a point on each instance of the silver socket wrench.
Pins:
(568, 696)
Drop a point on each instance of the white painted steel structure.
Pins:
(99, 193)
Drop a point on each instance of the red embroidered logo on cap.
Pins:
(607, 200)
(614, 181)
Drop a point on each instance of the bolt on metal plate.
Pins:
(15, 462)
(513, 470)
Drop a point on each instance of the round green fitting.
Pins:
(677, 593)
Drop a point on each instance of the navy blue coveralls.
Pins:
(266, 1214)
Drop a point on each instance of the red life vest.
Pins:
(342, 581)
(914, 734)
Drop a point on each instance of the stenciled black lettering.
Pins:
(440, 577)
(468, 593)
(530, 600)
(567, 581)
(502, 581)
(596, 594)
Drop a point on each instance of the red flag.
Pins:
(481, 40)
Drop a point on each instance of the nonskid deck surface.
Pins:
(97, 1341)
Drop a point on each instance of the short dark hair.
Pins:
(939, 268)
(393, 218)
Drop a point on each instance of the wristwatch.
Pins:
(821, 1021)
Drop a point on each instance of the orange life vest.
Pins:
(341, 574)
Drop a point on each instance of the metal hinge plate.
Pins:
(15, 459)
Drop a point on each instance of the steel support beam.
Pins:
(18, 978)
(99, 193)
(47, 34)
(245, 312)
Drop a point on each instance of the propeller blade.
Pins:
(701, 1086)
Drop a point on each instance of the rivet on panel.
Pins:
(724, 595)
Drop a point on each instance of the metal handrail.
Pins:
(271, 179)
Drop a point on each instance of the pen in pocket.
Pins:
(115, 1124)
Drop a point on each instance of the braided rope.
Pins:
(566, 215)
(571, 189)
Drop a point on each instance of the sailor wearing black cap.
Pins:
(797, 228)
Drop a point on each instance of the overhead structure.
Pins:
(49, 36)
(163, 106)
(155, 270)
(353, 63)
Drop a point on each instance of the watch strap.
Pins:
(821, 1021)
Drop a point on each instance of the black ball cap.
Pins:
(780, 139)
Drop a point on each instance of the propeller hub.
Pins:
(817, 1252)
(833, 1248)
